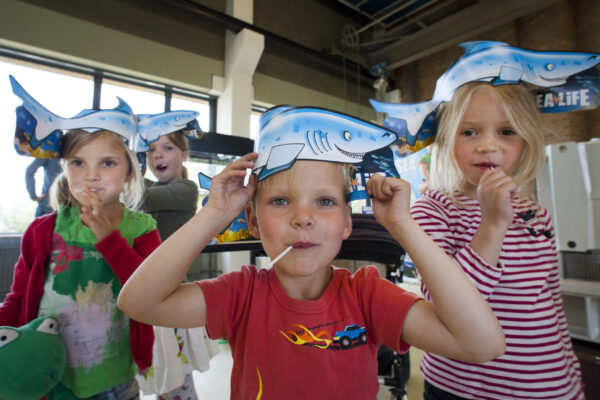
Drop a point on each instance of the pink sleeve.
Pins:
(124, 259)
(435, 221)
(10, 310)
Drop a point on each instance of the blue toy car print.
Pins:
(350, 335)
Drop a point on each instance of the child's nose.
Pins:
(91, 174)
(487, 143)
(302, 218)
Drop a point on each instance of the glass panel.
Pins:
(140, 99)
(254, 124)
(65, 94)
(179, 102)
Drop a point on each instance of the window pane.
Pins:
(254, 124)
(140, 99)
(179, 102)
(63, 93)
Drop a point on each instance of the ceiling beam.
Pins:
(464, 25)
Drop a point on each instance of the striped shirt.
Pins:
(523, 291)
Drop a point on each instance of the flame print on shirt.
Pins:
(64, 253)
(351, 336)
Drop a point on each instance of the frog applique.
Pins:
(33, 359)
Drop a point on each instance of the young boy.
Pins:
(303, 328)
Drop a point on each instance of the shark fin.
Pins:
(283, 155)
(268, 115)
(508, 75)
(476, 46)
(123, 106)
(205, 181)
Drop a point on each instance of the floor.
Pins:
(214, 383)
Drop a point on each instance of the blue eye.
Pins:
(347, 135)
(326, 202)
(549, 66)
(279, 202)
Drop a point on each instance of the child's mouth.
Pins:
(302, 245)
(161, 167)
(486, 165)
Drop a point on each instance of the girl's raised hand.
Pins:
(391, 199)
(228, 195)
(93, 215)
(494, 192)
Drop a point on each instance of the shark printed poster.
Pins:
(581, 92)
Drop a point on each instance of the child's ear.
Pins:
(252, 222)
(348, 227)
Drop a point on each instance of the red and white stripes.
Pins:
(524, 292)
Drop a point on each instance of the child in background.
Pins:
(172, 201)
(303, 328)
(488, 151)
(73, 264)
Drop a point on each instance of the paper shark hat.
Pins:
(290, 133)
(150, 127)
(39, 132)
(494, 62)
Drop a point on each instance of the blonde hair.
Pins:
(265, 184)
(179, 139)
(76, 139)
(522, 113)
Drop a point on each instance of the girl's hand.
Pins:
(391, 199)
(228, 195)
(494, 192)
(93, 215)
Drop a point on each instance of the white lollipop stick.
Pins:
(283, 253)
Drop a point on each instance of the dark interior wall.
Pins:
(568, 25)
(152, 20)
(313, 24)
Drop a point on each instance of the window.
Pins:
(45, 85)
(65, 89)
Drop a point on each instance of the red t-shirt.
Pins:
(320, 349)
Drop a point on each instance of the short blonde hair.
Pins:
(522, 113)
(347, 172)
(72, 142)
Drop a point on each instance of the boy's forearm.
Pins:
(458, 303)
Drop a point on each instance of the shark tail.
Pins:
(480, 45)
(40, 113)
(412, 113)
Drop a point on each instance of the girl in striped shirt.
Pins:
(480, 209)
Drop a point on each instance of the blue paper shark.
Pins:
(119, 120)
(291, 133)
(151, 126)
(494, 62)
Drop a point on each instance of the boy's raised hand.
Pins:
(391, 199)
(228, 195)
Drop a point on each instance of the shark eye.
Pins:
(549, 66)
(49, 325)
(7, 336)
(347, 135)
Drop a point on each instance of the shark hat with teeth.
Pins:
(290, 133)
(150, 127)
(494, 62)
(39, 131)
